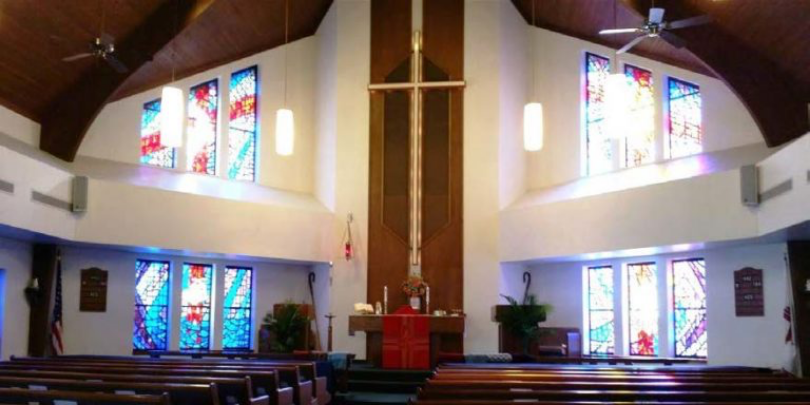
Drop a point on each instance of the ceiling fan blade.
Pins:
(672, 39)
(689, 22)
(77, 57)
(116, 64)
(620, 31)
(656, 15)
(631, 44)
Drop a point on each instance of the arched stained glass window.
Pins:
(195, 317)
(151, 322)
(684, 123)
(689, 292)
(152, 153)
(642, 289)
(601, 317)
(237, 308)
(203, 110)
(599, 152)
(243, 125)
(639, 143)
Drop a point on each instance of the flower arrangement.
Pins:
(415, 286)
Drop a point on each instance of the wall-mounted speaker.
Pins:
(80, 190)
(749, 185)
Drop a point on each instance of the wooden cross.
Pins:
(415, 87)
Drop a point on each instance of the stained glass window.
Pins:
(242, 129)
(195, 318)
(642, 289)
(151, 323)
(151, 151)
(203, 108)
(236, 330)
(599, 152)
(600, 310)
(639, 145)
(689, 285)
(684, 125)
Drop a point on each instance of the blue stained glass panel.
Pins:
(602, 335)
(689, 285)
(643, 309)
(237, 307)
(151, 318)
(684, 122)
(195, 317)
(152, 153)
(203, 111)
(243, 127)
(599, 152)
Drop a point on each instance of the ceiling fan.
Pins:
(102, 47)
(656, 27)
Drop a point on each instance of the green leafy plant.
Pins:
(522, 320)
(288, 328)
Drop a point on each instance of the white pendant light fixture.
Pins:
(285, 121)
(533, 111)
(172, 109)
(617, 96)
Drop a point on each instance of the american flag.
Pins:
(56, 324)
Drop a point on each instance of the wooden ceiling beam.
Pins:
(68, 118)
(773, 97)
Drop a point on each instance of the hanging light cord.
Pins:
(532, 44)
(174, 44)
(286, 41)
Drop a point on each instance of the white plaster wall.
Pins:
(749, 341)
(482, 36)
(19, 127)
(559, 69)
(110, 332)
(15, 263)
(326, 109)
(115, 134)
(788, 209)
(347, 28)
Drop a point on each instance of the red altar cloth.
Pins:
(406, 340)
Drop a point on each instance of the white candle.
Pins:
(385, 300)
(427, 299)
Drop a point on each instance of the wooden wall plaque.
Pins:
(749, 297)
(93, 294)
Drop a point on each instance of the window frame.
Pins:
(587, 167)
(256, 127)
(624, 156)
(588, 270)
(225, 309)
(668, 116)
(629, 303)
(210, 306)
(675, 308)
(159, 111)
(167, 307)
(189, 101)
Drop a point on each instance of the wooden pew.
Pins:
(179, 394)
(26, 396)
(241, 391)
(532, 402)
(802, 386)
(300, 376)
(308, 369)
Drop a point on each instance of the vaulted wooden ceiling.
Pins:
(759, 48)
(65, 97)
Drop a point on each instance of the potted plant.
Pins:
(415, 287)
(287, 327)
(522, 320)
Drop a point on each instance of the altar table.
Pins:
(442, 328)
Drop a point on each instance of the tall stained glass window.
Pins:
(242, 127)
(684, 126)
(689, 284)
(203, 108)
(600, 310)
(642, 289)
(195, 318)
(599, 152)
(151, 323)
(639, 145)
(152, 153)
(237, 307)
